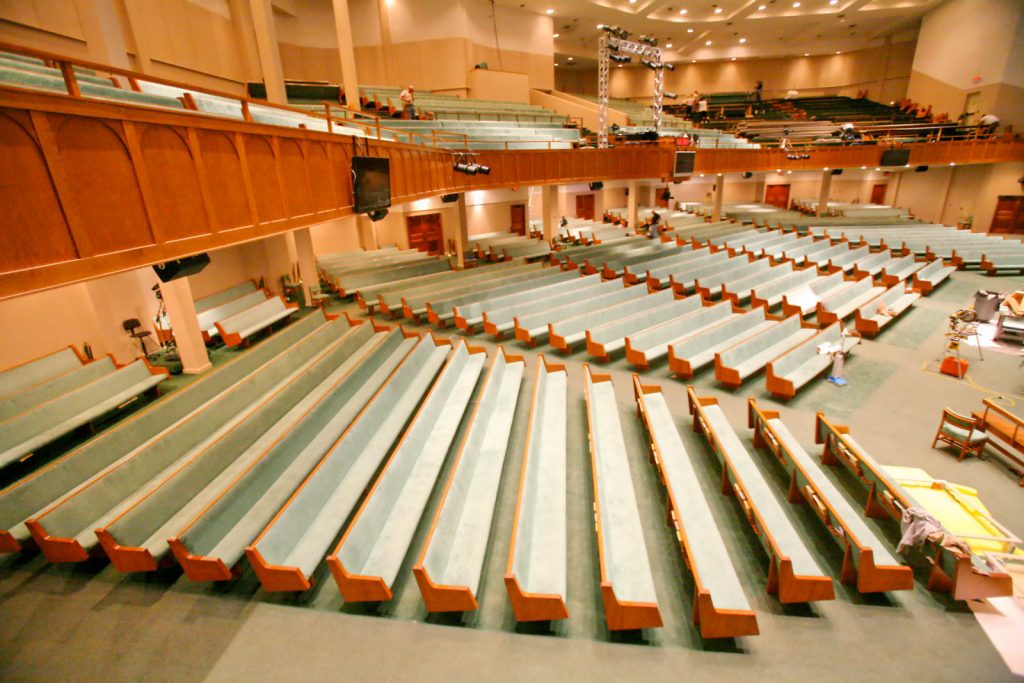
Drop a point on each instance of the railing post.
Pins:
(70, 80)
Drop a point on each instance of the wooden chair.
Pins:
(961, 432)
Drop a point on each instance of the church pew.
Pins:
(660, 277)
(900, 270)
(371, 296)
(787, 373)
(966, 577)
(637, 272)
(532, 250)
(793, 574)
(333, 274)
(535, 575)
(723, 240)
(1003, 263)
(238, 328)
(470, 316)
(777, 251)
(736, 363)
(822, 258)
(870, 318)
(867, 562)
(652, 343)
(594, 262)
(347, 284)
(612, 268)
(358, 254)
(441, 311)
(575, 258)
(291, 547)
(70, 472)
(390, 300)
(135, 538)
(65, 529)
(807, 253)
(38, 370)
(533, 327)
(563, 334)
(721, 609)
(22, 434)
(770, 294)
(702, 279)
(50, 389)
(804, 300)
(870, 266)
(691, 353)
(209, 318)
(627, 585)
(1005, 433)
(498, 321)
(366, 561)
(739, 289)
(846, 261)
(931, 276)
(771, 247)
(225, 295)
(414, 303)
(210, 545)
(607, 338)
(842, 304)
(451, 563)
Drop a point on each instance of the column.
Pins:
(181, 309)
(365, 231)
(384, 17)
(823, 192)
(759, 185)
(892, 193)
(347, 54)
(632, 202)
(307, 262)
(549, 211)
(269, 52)
(461, 231)
(716, 214)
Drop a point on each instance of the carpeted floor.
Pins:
(88, 622)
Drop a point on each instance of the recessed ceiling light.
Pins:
(550, 11)
(825, 169)
(682, 11)
(807, 54)
(570, 59)
(701, 175)
(620, 66)
(707, 42)
(778, 170)
(668, 45)
(556, 63)
(743, 40)
(789, 172)
(831, 2)
(733, 59)
(863, 168)
(796, 4)
(555, 35)
(718, 10)
(689, 30)
(878, 169)
(632, 2)
(952, 163)
(693, 61)
(838, 52)
(761, 8)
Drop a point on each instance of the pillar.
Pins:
(307, 262)
(181, 310)
(461, 231)
(365, 231)
(823, 192)
(268, 50)
(632, 202)
(549, 211)
(893, 192)
(759, 186)
(384, 17)
(716, 213)
(347, 54)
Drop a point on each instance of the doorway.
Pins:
(971, 113)
(662, 197)
(519, 219)
(1009, 215)
(777, 195)
(878, 193)
(425, 233)
(585, 206)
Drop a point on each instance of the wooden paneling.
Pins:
(174, 196)
(296, 181)
(321, 181)
(266, 187)
(223, 172)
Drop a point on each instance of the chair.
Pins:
(132, 327)
(961, 432)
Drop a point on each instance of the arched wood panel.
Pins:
(223, 176)
(175, 198)
(104, 191)
(341, 160)
(23, 174)
(296, 182)
(321, 181)
(263, 173)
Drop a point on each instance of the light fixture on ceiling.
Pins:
(707, 42)
(878, 169)
(668, 45)
(689, 30)
(682, 11)
(952, 163)
(807, 54)
(632, 2)
(863, 168)
(693, 61)
(743, 40)
(569, 58)
(838, 52)
(620, 66)
(761, 8)
(733, 59)
(833, 2)
(556, 63)
(555, 35)
(795, 5)
(778, 170)
(718, 10)
(550, 11)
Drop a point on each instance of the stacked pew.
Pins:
(349, 272)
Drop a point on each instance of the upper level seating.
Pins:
(868, 562)
(794, 575)
(721, 608)
(386, 100)
(485, 134)
(627, 585)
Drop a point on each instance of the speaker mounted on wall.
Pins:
(449, 198)
(837, 171)
(597, 185)
(183, 267)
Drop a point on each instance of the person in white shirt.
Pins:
(702, 109)
(792, 94)
(408, 97)
(989, 123)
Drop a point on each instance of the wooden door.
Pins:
(1009, 215)
(777, 195)
(519, 219)
(878, 193)
(425, 233)
(585, 206)
(661, 198)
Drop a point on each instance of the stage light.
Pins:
(670, 67)
(668, 45)
(761, 8)
(682, 11)
(743, 40)
(555, 35)
(707, 43)
(718, 10)
(550, 11)
(689, 30)
(670, 95)
(483, 170)
(621, 59)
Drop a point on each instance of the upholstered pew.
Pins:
(607, 338)
(441, 311)
(499, 320)
(652, 343)
(414, 302)
(564, 333)
(931, 276)
(695, 351)
(238, 328)
(389, 296)
(225, 295)
(787, 373)
(736, 363)
(470, 316)
(843, 303)
(39, 370)
(46, 390)
(900, 270)
(209, 318)
(532, 327)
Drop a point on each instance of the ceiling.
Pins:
(741, 29)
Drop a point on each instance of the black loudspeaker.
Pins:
(837, 171)
(377, 215)
(895, 157)
(597, 185)
(183, 267)
(920, 169)
(748, 174)
(449, 198)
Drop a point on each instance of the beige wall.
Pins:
(486, 84)
(948, 194)
(41, 323)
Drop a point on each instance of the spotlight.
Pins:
(621, 59)
(670, 67)
(377, 214)
(483, 170)
(670, 95)
(649, 64)
(463, 167)
(648, 40)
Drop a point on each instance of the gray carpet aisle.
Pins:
(91, 623)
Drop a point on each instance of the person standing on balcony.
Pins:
(988, 124)
(702, 109)
(758, 92)
(408, 97)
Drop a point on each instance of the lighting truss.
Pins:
(651, 55)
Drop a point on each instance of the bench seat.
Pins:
(651, 344)
(931, 276)
(693, 352)
(535, 575)
(844, 302)
(238, 328)
(803, 301)
(900, 270)
(470, 316)
(499, 320)
(564, 333)
(39, 370)
(411, 302)
(736, 363)
(610, 337)
(721, 608)
(225, 295)
(442, 310)
(532, 327)
(786, 374)
(870, 318)
(627, 585)
(59, 385)
(209, 318)
(794, 575)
